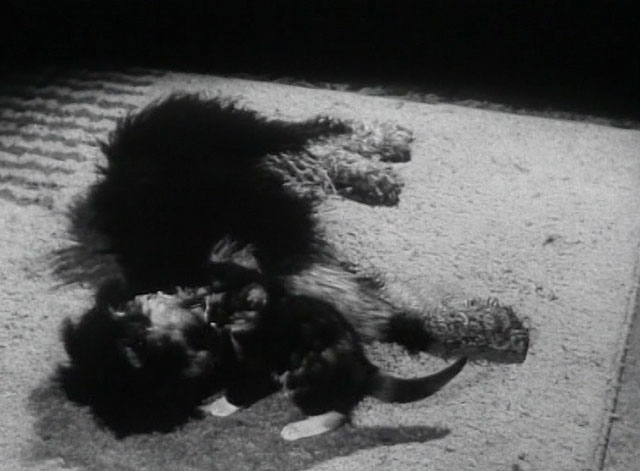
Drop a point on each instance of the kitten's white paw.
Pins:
(220, 407)
(316, 425)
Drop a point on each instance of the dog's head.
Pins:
(142, 363)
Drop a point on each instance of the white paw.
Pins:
(313, 426)
(220, 407)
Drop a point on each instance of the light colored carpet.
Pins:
(541, 213)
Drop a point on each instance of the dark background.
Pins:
(581, 56)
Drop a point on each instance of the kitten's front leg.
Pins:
(246, 388)
(312, 426)
(220, 407)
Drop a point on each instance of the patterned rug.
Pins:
(540, 213)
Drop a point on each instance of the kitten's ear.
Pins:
(223, 250)
(229, 251)
(246, 258)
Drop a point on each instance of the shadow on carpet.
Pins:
(249, 440)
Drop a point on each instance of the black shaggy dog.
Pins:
(184, 173)
(183, 176)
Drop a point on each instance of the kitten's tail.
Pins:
(388, 388)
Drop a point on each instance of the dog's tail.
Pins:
(388, 388)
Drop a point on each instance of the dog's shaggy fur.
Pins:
(182, 175)
(186, 172)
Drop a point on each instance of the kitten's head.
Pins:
(142, 364)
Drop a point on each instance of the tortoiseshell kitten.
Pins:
(305, 346)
